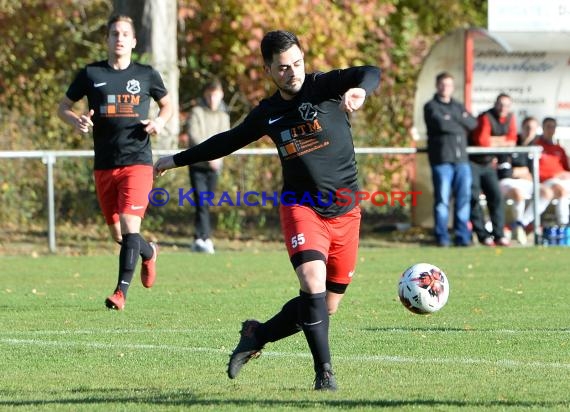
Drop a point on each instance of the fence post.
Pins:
(536, 196)
(49, 160)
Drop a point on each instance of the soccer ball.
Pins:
(423, 288)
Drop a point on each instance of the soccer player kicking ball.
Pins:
(118, 93)
(306, 119)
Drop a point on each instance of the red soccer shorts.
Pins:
(308, 235)
(123, 190)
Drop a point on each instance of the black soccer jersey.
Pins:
(312, 136)
(120, 100)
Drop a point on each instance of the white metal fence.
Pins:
(49, 158)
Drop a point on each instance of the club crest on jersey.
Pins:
(133, 86)
(308, 112)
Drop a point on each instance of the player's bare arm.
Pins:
(353, 99)
(156, 125)
(81, 123)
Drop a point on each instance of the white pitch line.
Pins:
(351, 358)
(103, 331)
(505, 331)
(97, 345)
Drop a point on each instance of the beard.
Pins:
(292, 88)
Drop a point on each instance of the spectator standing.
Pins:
(207, 118)
(496, 127)
(448, 124)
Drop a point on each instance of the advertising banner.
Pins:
(538, 82)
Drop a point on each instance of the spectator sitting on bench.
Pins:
(515, 180)
(496, 127)
(554, 170)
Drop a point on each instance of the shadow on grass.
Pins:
(187, 400)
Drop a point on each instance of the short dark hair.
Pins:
(212, 84)
(501, 95)
(120, 17)
(442, 76)
(529, 119)
(549, 119)
(275, 42)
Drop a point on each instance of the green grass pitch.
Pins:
(500, 343)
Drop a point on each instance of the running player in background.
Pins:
(307, 121)
(119, 93)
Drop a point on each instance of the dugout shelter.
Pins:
(525, 52)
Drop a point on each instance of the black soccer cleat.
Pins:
(247, 348)
(325, 380)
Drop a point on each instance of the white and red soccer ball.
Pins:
(423, 288)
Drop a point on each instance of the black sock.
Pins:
(146, 250)
(283, 324)
(315, 323)
(130, 249)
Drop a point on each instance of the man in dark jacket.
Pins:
(448, 124)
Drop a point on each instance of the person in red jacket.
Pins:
(496, 127)
(554, 170)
